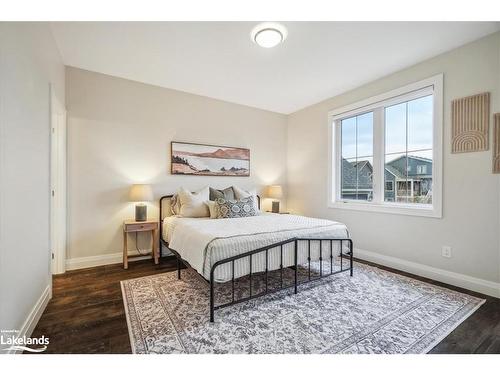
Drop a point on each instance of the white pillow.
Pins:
(212, 207)
(240, 193)
(193, 204)
(175, 205)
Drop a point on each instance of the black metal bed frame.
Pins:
(266, 249)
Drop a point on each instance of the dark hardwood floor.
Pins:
(86, 313)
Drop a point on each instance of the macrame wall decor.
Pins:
(470, 123)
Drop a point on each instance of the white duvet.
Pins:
(204, 241)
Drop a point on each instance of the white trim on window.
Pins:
(375, 104)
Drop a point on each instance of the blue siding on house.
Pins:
(357, 179)
(391, 179)
(400, 174)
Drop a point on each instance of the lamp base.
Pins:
(141, 212)
(276, 207)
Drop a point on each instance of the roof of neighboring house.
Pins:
(353, 170)
(413, 157)
(362, 163)
(395, 172)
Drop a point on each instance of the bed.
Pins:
(227, 250)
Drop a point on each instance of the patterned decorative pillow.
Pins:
(228, 208)
(240, 194)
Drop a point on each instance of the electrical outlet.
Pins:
(446, 251)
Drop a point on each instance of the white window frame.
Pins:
(432, 85)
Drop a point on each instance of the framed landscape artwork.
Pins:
(209, 160)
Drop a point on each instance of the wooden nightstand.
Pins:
(132, 226)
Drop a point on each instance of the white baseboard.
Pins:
(457, 279)
(34, 316)
(99, 260)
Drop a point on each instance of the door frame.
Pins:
(57, 184)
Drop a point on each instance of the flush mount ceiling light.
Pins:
(268, 34)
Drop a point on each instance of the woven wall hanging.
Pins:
(496, 143)
(470, 123)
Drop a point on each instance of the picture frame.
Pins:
(197, 159)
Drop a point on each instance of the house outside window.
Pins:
(386, 152)
(357, 157)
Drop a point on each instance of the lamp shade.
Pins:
(140, 193)
(275, 191)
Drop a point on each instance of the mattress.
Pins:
(203, 241)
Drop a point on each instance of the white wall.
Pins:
(29, 62)
(470, 222)
(119, 133)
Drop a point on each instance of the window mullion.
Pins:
(378, 155)
(356, 159)
(338, 160)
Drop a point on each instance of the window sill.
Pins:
(389, 208)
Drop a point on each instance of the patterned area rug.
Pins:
(374, 311)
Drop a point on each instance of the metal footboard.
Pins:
(296, 283)
(266, 250)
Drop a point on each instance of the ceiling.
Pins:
(217, 59)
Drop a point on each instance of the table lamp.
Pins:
(275, 192)
(141, 193)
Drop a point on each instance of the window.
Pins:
(408, 143)
(422, 169)
(357, 157)
(386, 152)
